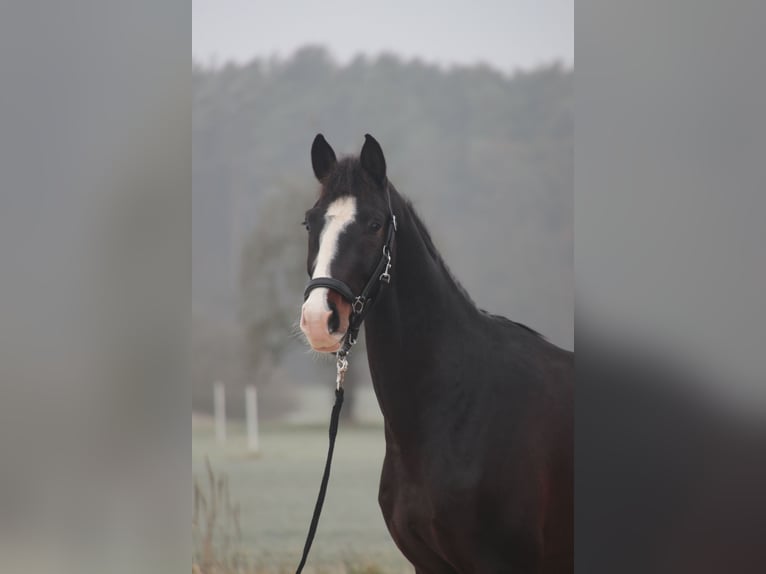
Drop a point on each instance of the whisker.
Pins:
(295, 331)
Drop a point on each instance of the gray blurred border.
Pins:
(670, 266)
(95, 215)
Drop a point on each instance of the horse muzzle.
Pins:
(324, 319)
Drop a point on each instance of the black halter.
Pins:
(361, 304)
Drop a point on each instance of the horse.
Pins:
(478, 469)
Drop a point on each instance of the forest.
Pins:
(486, 158)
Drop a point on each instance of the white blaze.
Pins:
(338, 216)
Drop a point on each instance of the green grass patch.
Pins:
(276, 490)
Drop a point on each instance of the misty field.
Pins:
(277, 489)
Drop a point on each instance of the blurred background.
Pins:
(473, 107)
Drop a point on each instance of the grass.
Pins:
(275, 491)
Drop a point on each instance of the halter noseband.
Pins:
(359, 303)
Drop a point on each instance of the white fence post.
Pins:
(251, 411)
(219, 408)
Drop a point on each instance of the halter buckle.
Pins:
(358, 305)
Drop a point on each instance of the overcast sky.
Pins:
(508, 35)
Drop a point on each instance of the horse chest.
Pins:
(420, 514)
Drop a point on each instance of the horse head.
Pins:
(349, 228)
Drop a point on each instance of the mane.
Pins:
(348, 175)
(434, 252)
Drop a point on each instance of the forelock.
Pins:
(347, 178)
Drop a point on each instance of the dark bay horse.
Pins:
(478, 409)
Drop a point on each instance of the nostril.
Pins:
(333, 322)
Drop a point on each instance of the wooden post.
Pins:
(251, 411)
(219, 408)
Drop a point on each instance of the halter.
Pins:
(360, 304)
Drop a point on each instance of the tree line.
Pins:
(486, 158)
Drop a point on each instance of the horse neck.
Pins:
(422, 301)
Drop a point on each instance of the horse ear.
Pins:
(322, 157)
(372, 159)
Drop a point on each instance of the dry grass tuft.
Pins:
(216, 532)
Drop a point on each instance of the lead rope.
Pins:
(342, 367)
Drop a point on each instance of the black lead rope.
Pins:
(325, 477)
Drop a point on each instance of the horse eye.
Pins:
(374, 225)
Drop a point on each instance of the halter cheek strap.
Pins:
(360, 304)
